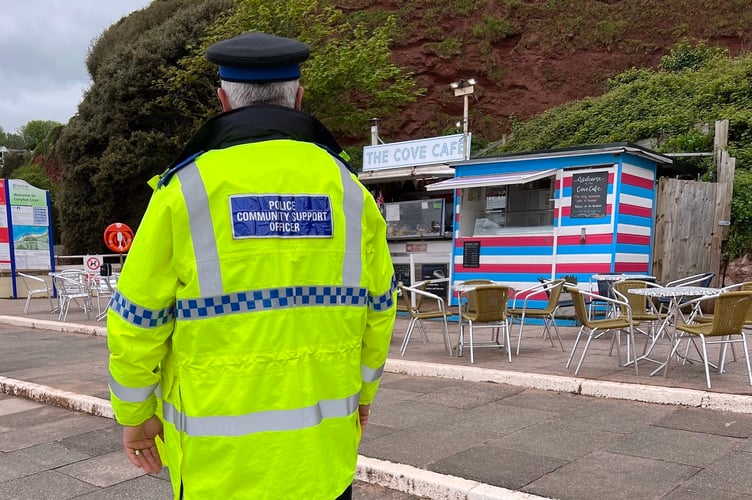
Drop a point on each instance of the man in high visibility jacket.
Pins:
(253, 316)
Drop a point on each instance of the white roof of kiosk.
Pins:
(472, 181)
(401, 173)
(523, 177)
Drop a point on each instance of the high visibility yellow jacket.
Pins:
(255, 309)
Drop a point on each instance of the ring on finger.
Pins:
(137, 453)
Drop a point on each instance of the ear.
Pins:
(223, 99)
(299, 99)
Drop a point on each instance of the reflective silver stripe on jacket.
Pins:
(131, 394)
(262, 421)
(138, 315)
(369, 374)
(271, 298)
(202, 230)
(352, 264)
(205, 247)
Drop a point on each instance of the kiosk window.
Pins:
(495, 210)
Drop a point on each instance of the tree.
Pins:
(152, 86)
(11, 141)
(36, 131)
(123, 133)
(348, 79)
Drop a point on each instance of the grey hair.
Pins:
(243, 94)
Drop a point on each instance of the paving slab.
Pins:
(616, 477)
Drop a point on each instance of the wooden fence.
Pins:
(684, 223)
(693, 218)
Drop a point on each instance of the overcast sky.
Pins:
(43, 48)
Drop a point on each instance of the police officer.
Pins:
(252, 319)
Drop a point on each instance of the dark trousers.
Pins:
(347, 495)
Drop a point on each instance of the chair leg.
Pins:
(508, 341)
(616, 337)
(556, 330)
(634, 349)
(519, 335)
(408, 333)
(746, 356)
(447, 338)
(472, 359)
(422, 331)
(461, 339)
(584, 352)
(574, 347)
(64, 310)
(705, 360)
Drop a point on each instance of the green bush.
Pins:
(688, 57)
(740, 236)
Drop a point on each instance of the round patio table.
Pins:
(675, 294)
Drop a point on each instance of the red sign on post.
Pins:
(118, 237)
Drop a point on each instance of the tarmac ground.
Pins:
(440, 427)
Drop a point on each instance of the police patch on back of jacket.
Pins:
(280, 216)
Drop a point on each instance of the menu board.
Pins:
(589, 192)
(471, 254)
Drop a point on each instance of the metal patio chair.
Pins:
(486, 309)
(35, 286)
(422, 305)
(553, 290)
(731, 311)
(72, 287)
(595, 328)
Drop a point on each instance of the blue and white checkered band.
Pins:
(385, 301)
(281, 216)
(272, 298)
(141, 316)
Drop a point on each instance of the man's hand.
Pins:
(363, 412)
(140, 447)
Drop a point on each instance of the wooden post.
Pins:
(725, 166)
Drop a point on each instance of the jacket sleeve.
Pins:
(142, 315)
(382, 297)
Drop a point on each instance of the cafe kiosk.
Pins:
(419, 224)
(571, 212)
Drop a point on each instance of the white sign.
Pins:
(411, 153)
(92, 263)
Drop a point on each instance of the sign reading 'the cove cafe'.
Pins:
(434, 150)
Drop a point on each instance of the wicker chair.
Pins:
(643, 309)
(486, 309)
(731, 311)
(422, 305)
(552, 290)
(597, 327)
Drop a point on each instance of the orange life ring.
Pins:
(118, 237)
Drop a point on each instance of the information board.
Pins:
(589, 192)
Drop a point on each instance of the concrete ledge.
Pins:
(58, 326)
(737, 403)
(474, 374)
(429, 484)
(51, 396)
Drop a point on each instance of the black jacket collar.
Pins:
(255, 123)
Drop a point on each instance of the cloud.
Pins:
(43, 49)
